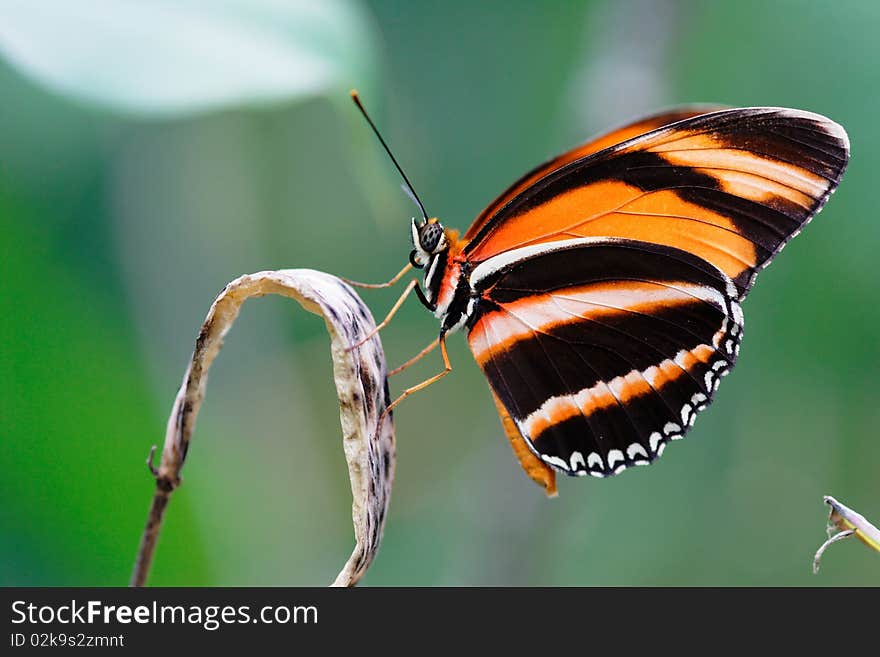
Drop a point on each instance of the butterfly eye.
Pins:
(430, 236)
(414, 260)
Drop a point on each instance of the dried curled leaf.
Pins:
(361, 384)
(848, 523)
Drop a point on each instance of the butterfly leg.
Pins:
(447, 368)
(409, 288)
(415, 359)
(377, 286)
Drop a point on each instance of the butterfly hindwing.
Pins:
(603, 350)
(731, 187)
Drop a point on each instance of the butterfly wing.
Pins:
(603, 350)
(595, 145)
(731, 187)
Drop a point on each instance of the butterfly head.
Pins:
(429, 239)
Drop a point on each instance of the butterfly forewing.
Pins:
(731, 187)
(595, 145)
(603, 350)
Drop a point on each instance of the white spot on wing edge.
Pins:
(555, 461)
(614, 456)
(685, 413)
(671, 427)
(635, 450)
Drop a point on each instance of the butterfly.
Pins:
(601, 292)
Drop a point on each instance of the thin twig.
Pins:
(164, 488)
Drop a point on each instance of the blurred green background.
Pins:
(151, 152)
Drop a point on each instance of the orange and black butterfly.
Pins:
(601, 292)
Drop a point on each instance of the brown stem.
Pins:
(164, 488)
(151, 534)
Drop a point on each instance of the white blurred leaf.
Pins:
(169, 57)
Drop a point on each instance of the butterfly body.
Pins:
(447, 290)
(601, 292)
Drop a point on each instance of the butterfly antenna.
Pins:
(411, 192)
